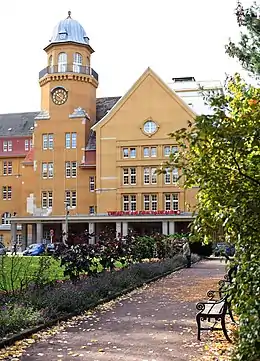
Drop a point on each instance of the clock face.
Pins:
(59, 96)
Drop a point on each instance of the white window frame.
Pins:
(1, 238)
(126, 203)
(73, 199)
(167, 202)
(175, 176)
(10, 168)
(167, 150)
(50, 199)
(6, 218)
(125, 176)
(153, 152)
(9, 193)
(146, 152)
(73, 169)
(133, 176)
(5, 167)
(44, 170)
(153, 176)
(132, 152)
(175, 201)
(125, 152)
(147, 174)
(146, 202)
(67, 140)
(5, 146)
(45, 141)
(67, 170)
(92, 182)
(77, 62)
(31, 144)
(10, 146)
(68, 198)
(44, 199)
(26, 145)
(154, 202)
(4, 193)
(50, 141)
(50, 170)
(62, 62)
(167, 176)
(133, 202)
(73, 140)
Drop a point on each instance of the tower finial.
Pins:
(69, 14)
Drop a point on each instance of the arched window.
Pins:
(50, 64)
(62, 62)
(77, 62)
(6, 218)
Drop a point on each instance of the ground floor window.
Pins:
(150, 202)
(1, 238)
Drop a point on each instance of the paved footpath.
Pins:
(154, 323)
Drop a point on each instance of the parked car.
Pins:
(52, 247)
(3, 250)
(224, 249)
(35, 249)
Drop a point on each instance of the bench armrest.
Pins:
(200, 306)
(211, 294)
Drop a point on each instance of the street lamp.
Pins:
(65, 238)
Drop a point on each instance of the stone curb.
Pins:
(26, 333)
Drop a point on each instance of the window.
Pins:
(171, 176)
(146, 175)
(91, 209)
(132, 175)
(71, 140)
(175, 175)
(31, 143)
(125, 152)
(4, 193)
(150, 127)
(47, 170)
(7, 192)
(133, 202)
(10, 145)
(5, 146)
(7, 168)
(129, 203)
(26, 144)
(171, 202)
(125, 203)
(77, 62)
(146, 152)
(71, 169)
(150, 202)
(1, 238)
(47, 199)
(51, 64)
(19, 238)
(129, 152)
(71, 198)
(168, 149)
(10, 168)
(92, 184)
(129, 176)
(132, 152)
(47, 141)
(150, 152)
(6, 218)
(62, 62)
(150, 176)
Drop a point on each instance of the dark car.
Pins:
(222, 249)
(35, 249)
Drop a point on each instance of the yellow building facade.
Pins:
(84, 162)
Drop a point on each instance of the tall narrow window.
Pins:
(4, 193)
(125, 176)
(73, 199)
(44, 141)
(50, 170)
(44, 170)
(62, 62)
(10, 168)
(92, 184)
(51, 68)
(67, 169)
(175, 201)
(67, 140)
(146, 175)
(133, 202)
(154, 202)
(6, 218)
(153, 176)
(26, 144)
(9, 192)
(10, 145)
(77, 62)
(146, 202)
(175, 175)
(5, 146)
(74, 169)
(167, 176)
(74, 140)
(5, 167)
(126, 203)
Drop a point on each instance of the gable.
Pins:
(144, 91)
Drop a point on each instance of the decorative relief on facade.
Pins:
(44, 114)
(79, 113)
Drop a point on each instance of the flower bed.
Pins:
(60, 299)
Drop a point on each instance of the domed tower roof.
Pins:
(69, 30)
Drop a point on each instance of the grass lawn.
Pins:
(18, 270)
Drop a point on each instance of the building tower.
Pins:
(68, 110)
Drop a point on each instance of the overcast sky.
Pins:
(173, 37)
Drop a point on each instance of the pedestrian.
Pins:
(187, 252)
(14, 251)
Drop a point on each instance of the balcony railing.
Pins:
(68, 68)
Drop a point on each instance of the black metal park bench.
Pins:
(216, 310)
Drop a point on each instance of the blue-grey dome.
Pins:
(69, 30)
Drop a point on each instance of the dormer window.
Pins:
(86, 38)
(77, 62)
(63, 34)
(62, 62)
